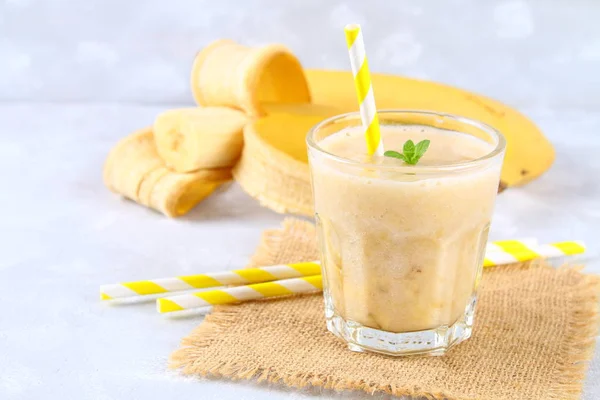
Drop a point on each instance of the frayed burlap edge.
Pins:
(577, 349)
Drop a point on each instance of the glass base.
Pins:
(432, 342)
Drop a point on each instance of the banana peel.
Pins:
(129, 162)
(175, 194)
(135, 170)
(229, 74)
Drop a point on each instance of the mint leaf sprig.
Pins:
(411, 153)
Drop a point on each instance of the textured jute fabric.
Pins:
(533, 338)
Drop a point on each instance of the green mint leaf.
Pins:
(409, 150)
(412, 161)
(421, 148)
(412, 154)
(395, 154)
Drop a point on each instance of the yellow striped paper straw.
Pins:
(513, 251)
(364, 88)
(239, 294)
(499, 252)
(238, 277)
(235, 277)
(504, 245)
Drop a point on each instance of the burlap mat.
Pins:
(533, 336)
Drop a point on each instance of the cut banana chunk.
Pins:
(226, 73)
(190, 139)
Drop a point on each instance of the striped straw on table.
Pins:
(237, 277)
(364, 88)
(497, 253)
(201, 281)
(518, 252)
(514, 251)
(310, 284)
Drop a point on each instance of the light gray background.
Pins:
(75, 76)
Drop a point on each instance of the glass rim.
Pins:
(497, 150)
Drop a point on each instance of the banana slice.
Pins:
(228, 74)
(174, 194)
(189, 139)
(130, 161)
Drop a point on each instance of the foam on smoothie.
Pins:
(446, 147)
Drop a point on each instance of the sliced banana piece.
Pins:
(226, 73)
(190, 139)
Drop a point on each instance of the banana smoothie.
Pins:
(402, 245)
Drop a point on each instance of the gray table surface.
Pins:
(77, 76)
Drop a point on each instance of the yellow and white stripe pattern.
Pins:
(364, 88)
(239, 294)
(296, 278)
(512, 251)
(224, 278)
